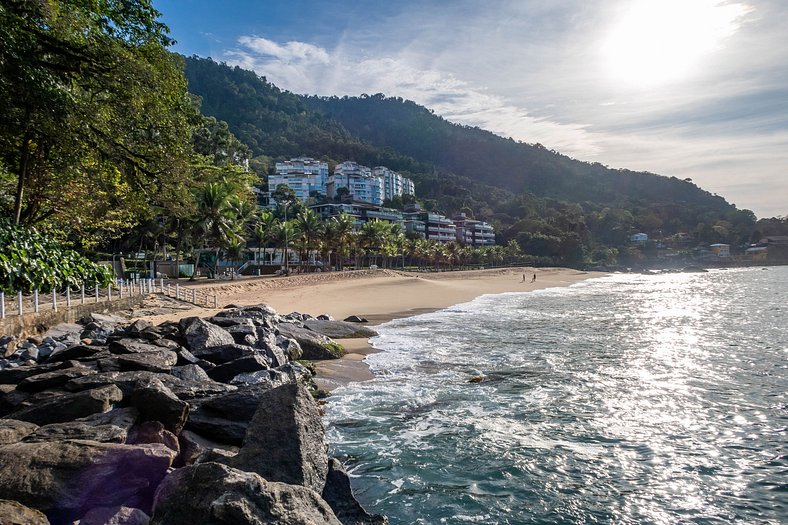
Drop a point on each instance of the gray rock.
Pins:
(153, 432)
(132, 346)
(200, 335)
(14, 513)
(157, 361)
(65, 479)
(244, 331)
(137, 327)
(324, 317)
(190, 373)
(53, 379)
(266, 341)
(285, 440)
(107, 433)
(11, 399)
(75, 352)
(215, 494)
(225, 418)
(339, 329)
(339, 496)
(261, 378)
(225, 353)
(225, 372)
(290, 347)
(315, 346)
(70, 406)
(156, 402)
(13, 375)
(126, 381)
(119, 515)
(195, 446)
(355, 319)
(13, 431)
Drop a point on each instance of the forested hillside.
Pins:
(550, 203)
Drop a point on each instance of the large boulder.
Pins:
(76, 352)
(315, 346)
(127, 381)
(13, 431)
(225, 418)
(132, 346)
(119, 515)
(14, 513)
(56, 378)
(68, 407)
(339, 329)
(200, 334)
(285, 440)
(65, 479)
(339, 496)
(156, 402)
(225, 372)
(107, 433)
(159, 360)
(225, 353)
(214, 494)
(194, 446)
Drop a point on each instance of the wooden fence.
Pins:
(20, 304)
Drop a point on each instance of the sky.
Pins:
(687, 88)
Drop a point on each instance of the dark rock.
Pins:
(126, 381)
(225, 353)
(13, 431)
(169, 344)
(231, 306)
(266, 341)
(225, 418)
(285, 440)
(70, 406)
(14, 513)
(12, 376)
(315, 346)
(157, 361)
(132, 346)
(137, 327)
(262, 378)
(215, 494)
(66, 479)
(194, 446)
(324, 317)
(108, 363)
(355, 319)
(156, 402)
(78, 430)
(153, 432)
(290, 347)
(10, 399)
(296, 373)
(339, 496)
(339, 329)
(244, 332)
(216, 428)
(200, 335)
(186, 358)
(119, 515)
(53, 379)
(190, 373)
(225, 372)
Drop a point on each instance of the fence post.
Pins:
(177, 291)
(35, 300)
(194, 295)
(168, 290)
(68, 297)
(214, 301)
(82, 292)
(54, 300)
(109, 292)
(19, 301)
(120, 289)
(161, 284)
(2, 305)
(97, 291)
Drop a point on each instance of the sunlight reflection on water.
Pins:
(631, 399)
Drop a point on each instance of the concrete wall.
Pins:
(37, 323)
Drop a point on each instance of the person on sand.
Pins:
(534, 279)
(523, 279)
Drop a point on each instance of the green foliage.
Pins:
(29, 260)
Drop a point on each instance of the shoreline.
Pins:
(379, 296)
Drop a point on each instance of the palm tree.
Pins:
(263, 231)
(281, 234)
(374, 236)
(215, 221)
(308, 229)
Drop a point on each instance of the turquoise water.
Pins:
(627, 399)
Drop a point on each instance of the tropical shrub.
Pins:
(29, 260)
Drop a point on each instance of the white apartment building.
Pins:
(360, 182)
(303, 175)
(394, 184)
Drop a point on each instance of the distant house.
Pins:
(757, 253)
(639, 237)
(721, 250)
(775, 247)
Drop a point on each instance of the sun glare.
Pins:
(661, 41)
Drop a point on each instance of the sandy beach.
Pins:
(377, 295)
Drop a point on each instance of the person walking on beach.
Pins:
(523, 279)
(534, 279)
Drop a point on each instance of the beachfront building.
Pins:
(361, 184)
(721, 250)
(303, 175)
(428, 225)
(394, 184)
(472, 232)
(360, 212)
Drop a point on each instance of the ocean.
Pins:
(648, 399)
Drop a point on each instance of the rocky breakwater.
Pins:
(206, 421)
